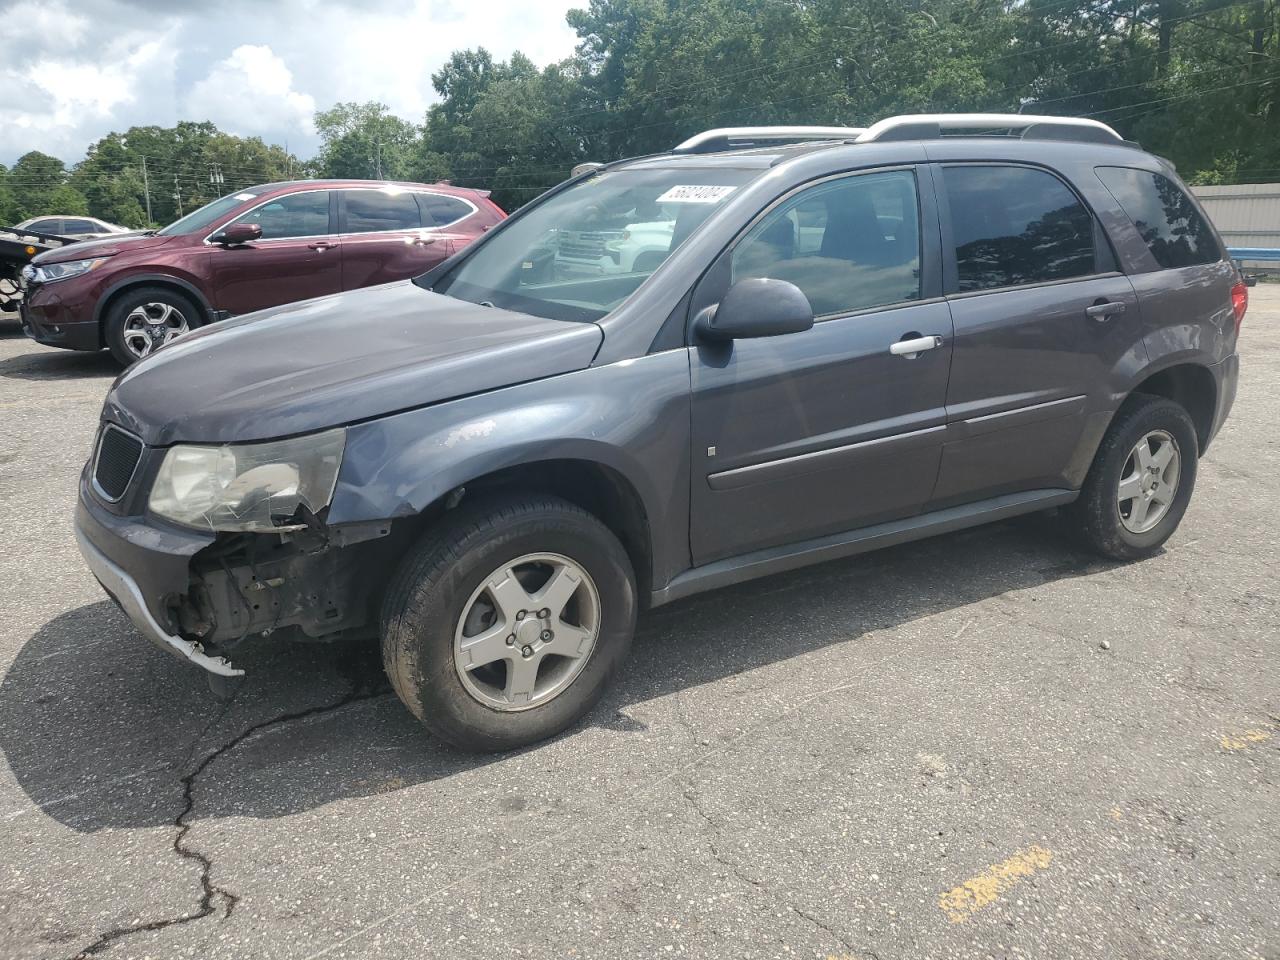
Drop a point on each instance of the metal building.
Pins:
(1246, 214)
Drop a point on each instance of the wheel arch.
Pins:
(134, 281)
(1189, 384)
(600, 489)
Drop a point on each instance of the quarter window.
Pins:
(1016, 225)
(1168, 222)
(440, 211)
(848, 244)
(370, 211)
(293, 215)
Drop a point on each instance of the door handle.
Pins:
(320, 246)
(914, 347)
(1101, 311)
(424, 241)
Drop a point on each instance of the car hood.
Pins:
(337, 360)
(104, 247)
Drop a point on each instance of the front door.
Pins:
(297, 258)
(833, 428)
(383, 237)
(1043, 320)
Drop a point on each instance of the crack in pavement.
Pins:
(212, 896)
(752, 881)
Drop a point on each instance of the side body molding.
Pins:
(631, 417)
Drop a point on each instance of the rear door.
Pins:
(1042, 318)
(385, 237)
(830, 429)
(298, 256)
(455, 219)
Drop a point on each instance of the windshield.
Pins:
(207, 215)
(580, 253)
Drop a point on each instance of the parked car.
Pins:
(76, 228)
(851, 343)
(262, 247)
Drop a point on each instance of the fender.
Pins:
(631, 416)
(142, 279)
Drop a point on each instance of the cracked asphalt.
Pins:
(984, 745)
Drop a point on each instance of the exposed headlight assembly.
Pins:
(49, 272)
(255, 487)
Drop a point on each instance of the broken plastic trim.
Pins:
(125, 590)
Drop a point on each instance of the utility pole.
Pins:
(378, 176)
(216, 178)
(177, 194)
(146, 189)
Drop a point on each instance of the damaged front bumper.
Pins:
(137, 563)
(199, 595)
(126, 592)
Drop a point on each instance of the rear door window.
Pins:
(849, 244)
(373, 211)
(1166, 219)
(1016, 225)
(440, 211)
(81, 226)
(293, 215)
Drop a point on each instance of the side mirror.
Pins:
(236, 234)
(756, 307)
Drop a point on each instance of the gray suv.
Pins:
(854, 338)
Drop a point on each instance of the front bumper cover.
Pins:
(139, 566)
(125, 591)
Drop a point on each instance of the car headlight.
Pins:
(249, 487)
(49, 272)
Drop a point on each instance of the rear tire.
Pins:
(1141, 480)
(459, 586)
(142, 320)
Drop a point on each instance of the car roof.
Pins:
(284, 186)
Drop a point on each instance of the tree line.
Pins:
(1197, 81)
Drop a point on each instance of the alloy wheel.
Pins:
(1149, 481)
(150, 326)
(527, 631)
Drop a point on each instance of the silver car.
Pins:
(78, 228)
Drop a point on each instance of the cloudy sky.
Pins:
(73, 70)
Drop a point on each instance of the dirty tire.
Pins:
(118, 312)
(436, 579)
(1095, 516)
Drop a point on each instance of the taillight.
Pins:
(1239, 301)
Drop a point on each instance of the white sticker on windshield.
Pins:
(694, 194)
(245, 196)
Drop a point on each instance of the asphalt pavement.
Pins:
(989, 744)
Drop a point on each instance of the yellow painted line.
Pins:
(960, 903)
(1242, 741)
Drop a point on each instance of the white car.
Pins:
(636, 248)
(77, 228)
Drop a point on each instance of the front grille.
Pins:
(118, 456)
(586, 245)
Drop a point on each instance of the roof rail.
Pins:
(735, 138)
(929, 126)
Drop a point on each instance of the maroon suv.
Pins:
(261, 247)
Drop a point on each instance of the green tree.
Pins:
(364, 141)
(8, 204)
(39, 186)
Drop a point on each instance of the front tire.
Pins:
(506, 624)
(1141, 480)
(141, 321)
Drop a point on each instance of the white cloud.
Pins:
(71, 73)
(251, 93)
(59, 103)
